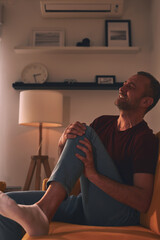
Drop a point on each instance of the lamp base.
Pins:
(35, 163)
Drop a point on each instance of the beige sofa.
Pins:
(149, 228)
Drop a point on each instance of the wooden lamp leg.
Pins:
(30, 174)
(46, 167)
(36, 163)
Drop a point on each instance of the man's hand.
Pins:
(89, 168)
(71, 132)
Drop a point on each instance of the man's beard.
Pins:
(123, 104)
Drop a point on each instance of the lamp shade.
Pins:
(41, 106)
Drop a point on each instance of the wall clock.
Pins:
(34, 73)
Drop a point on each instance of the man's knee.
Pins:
(90, 133)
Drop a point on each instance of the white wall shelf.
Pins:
(76, 50)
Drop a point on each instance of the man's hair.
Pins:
(154, 89)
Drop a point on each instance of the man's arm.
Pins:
(137, 196)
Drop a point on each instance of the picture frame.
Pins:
(53, 38)
(118, 33)
(106, 79)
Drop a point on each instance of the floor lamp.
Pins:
(40, 108)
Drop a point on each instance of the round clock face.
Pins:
(34, 73)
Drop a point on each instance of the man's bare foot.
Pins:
(30, 217)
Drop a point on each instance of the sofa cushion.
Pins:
(67, 231)
(152, 218)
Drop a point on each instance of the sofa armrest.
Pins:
(2, 186)
(44, 184)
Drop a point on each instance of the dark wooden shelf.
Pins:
(66, 86)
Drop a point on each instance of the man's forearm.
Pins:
(132, 196)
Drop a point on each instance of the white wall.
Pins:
(18, 143)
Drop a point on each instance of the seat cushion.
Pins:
(67, 231)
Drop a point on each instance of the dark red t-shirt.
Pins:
(134, 150)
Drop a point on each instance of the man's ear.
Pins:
(147, 101)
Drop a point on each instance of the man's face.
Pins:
(132, 93)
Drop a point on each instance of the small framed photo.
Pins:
(105, 79)
(48, 38)
(118, 33)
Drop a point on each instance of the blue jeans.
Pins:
(92, 206)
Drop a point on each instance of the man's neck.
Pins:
(127, 120)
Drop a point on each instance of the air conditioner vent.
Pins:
(81, 9)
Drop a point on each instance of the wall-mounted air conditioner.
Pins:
(81, 8)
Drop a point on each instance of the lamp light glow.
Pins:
(41, 106)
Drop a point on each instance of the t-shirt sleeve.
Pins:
(97, 122)
(101, 121)
(145, 154)
(94, 123)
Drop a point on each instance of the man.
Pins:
(116, 184)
